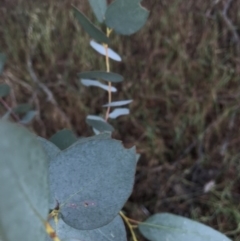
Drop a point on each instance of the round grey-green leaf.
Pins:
(92, 180)
(126, 17)
(113, 231)
(166, 226)
(24, 184)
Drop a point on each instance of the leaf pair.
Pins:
(124, 16)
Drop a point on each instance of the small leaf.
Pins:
(99, 123)
(22, 108)
(96, 132)
(99, 8)
(6, 117)
(108, 76)
(24, 184)
(105, 135)
(3, 59)
(28, 117)
(118, 103)
(137, 157)
(4, 90)
(50, 149)
(63, 139)
(101, 50)
(113, 231)
(89, 27)
(126, 17)
(166, 226)
(88, 82)
(118, 112)
(92, 180)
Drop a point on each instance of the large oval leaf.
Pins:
(89, 27)
(113, 231)
(126, 17)
(24, 185)
(108, 76)
(91, 180)
(166, 226)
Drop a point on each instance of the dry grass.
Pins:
(182, 70)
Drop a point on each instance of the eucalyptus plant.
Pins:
(70, 188)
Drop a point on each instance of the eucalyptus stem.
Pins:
(108, 70)
(130, 226)
(50, 231)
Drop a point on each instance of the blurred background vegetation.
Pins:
(182, 71)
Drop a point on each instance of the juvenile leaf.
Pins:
(114, 231)
(99, 123)
(108, 76)
(28, 117)
(24, 184)
(118, 112)
(166, 226)
(89, 82)
(63, 139)
(4, 90)
(2, 62)
(92, 180)
(126, 17)
(89, 27)
(101, 50)
(99, 8)
(118, 103)
(22, 108)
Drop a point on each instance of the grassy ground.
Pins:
(182, 70)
